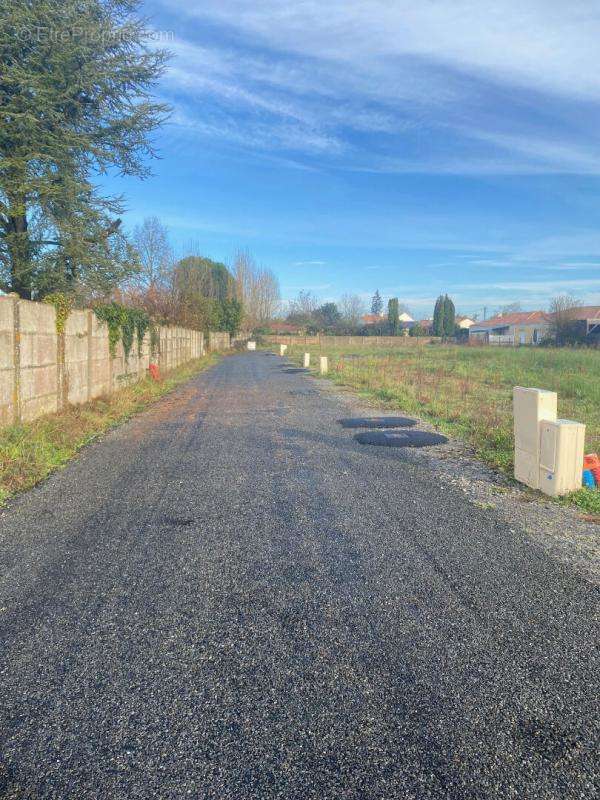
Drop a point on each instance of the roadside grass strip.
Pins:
(29, 452)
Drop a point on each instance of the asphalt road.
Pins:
(230, 598)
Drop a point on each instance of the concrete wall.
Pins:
(7, 369)
(41, 371)
(350, 341)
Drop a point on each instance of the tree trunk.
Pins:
(19, 251)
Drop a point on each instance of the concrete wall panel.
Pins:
(76, 357)
(7, 372)
(39, 359)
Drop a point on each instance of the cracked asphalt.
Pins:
(228, 597)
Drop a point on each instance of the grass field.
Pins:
(30, 452)
(467, 391)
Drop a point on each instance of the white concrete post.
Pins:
(306, 360)
(251, 345)
(324, 366)
(282, 349)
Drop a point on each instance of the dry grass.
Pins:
(31, 451)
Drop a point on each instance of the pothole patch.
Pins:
(377, 422)
(400, 439)
(295, 370)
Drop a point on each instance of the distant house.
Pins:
(588, 319)
(381, 319)
(464, 323)
(515, 328)
(372, 319)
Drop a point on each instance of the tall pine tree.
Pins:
(394, 316)
(449, 317)
(438, 317)
(75, 83)
(376, 303)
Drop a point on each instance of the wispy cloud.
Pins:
(309, 263)
(316, 77)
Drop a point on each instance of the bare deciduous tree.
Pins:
(257, 289)
(302, 308)
(563, 318)
(151, 241)
(352, 308)
(152, 287)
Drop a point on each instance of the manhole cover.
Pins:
(377, 422)
(397, 439)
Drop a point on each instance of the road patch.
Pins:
(377, 422)
(403, 439)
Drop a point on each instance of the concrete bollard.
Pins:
(251, 345)
(306, 360)
(324, 366)
(282, 349)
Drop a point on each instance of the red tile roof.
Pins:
(514, 318)
(372, 319)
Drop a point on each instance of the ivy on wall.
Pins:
(124, 325)
(63, 305)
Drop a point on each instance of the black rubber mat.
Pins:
(400, 439)
(377, 422)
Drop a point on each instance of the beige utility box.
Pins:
(251, 345)
(531, 406)
(282, 349)
(562, 444)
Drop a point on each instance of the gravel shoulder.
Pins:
(562, 531)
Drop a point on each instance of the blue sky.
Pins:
(411, 147)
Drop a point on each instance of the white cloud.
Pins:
(257, 134)
(541, 44)
(470, 72)
(309, 263)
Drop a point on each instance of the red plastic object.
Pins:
(592, 462)
(154, 372)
